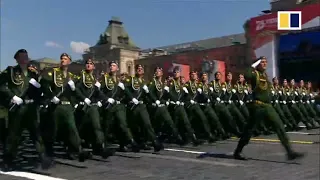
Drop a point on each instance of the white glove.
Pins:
(111, 100)
(199, 90)
(313, 101)
(280, 92)
(224, 89)
(308, 101)
(192, 101)
(17, 100)
(304, 94)
(211, 89)
(301, 101)
(272, 92)
(145, 88)
(34, 83)
(99, 104)
(55, 100)
(293, 102)
(72, 85)
(288, 93)
(185, 90)
(255, 64)
(296, 93)
(208, 101)
(135, 101)
(166, 88)
(230, 102)
(284, 102)
(87, 101)
(234, 91)
(218, 99)
(241, 102)
(98, 85)
(277, 101)
(246, 91)
(311, 94)
(157, 102)
(178, 102)
(167, 103)
(121, 85)
(75, 106)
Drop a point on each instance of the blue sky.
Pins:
(47, 27)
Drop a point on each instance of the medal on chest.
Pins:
(240, 88)
(87, 79)
(158, 85)
(205, 88)
(228, 87)
(136, 83)
(58, 78)
(176, 86)
(193, 87)
(216, 86)
(110, 84)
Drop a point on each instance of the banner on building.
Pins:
(185, 69)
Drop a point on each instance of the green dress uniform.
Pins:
(299, 100)
(197, 116)
(230, 98)
(305, 101)
(204, 101)
(54, 82)
(114, 114)
(161, 118)
(275, 96)
(241, 94)
(283, 100)
(88, 88)
(18, 83)
(313, 102)
(291, 100)
(225, 117)
(180, 117)
(139, 123)
(260, 109)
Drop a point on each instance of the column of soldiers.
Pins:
(86, 110)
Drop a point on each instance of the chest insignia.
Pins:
(135, 83)
(109, 83)
(16, 77)
(88, 80)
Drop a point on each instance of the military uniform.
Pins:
(140, 124)
(54, 81)
(305, 101)
(160, 115)
(88, 91)
(22, 87)
(241, 97)
(262, 109)
(114, 113)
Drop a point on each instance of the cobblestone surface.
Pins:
(268, 162)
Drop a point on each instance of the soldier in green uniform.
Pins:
(114, 114)
(21, 87)
(178, 94)
(218, 96)
(241, 95)
(59, 87)
(88, 88)
(139, 123)
(289, 97)
(230, 98)
(205, 103)
(297, 97)
(304, 101)
(275, 97)
(260, 109)
(311, 95)
(198, 118)
(160, 115)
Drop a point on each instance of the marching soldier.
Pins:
(275, 96)
(312, 99)
(241, 95)
(198, 118)
(178, 95)
(88, 88)
(223, 113)
(140, 124)
(114, 113)
(205, 104)
(261, 107)
(59, 87)
(21, 87)
(230, 97)
(159, 112)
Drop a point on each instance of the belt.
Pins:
(180, 103)
(159, 105)
(259, 102)
(28, 101)
(65, 102)
(203, 104)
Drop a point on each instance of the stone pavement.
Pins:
(268, 162)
